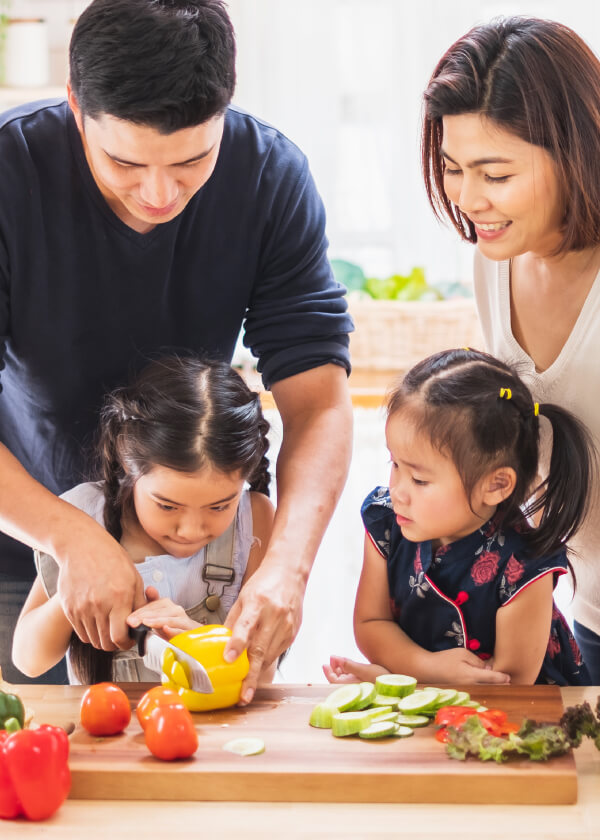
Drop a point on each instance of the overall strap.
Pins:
(217, 573)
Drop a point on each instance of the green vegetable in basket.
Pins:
(348, 274)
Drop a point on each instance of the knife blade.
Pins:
(151, 648)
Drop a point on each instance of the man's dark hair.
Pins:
(167, 64)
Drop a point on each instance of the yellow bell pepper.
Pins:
(206, 644)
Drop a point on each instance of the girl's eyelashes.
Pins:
(164, 506)
(220, 508)
(419, 482)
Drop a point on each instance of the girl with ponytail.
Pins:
(184, 480)
(457, 582)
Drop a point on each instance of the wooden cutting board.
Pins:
(302, 764)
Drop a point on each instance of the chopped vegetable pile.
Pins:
(389, 707)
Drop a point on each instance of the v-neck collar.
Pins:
(582, 324)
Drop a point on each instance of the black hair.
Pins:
(185, 414)
(454, 397)
(538, 80)
(167, 64)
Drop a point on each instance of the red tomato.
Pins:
(158, 696)
(453, 715)
(442, 734)
(170, 733)
(105, 709)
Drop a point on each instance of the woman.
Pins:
(511, 155)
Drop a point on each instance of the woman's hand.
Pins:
(342, 670)
(167, 618)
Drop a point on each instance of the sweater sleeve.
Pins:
(297, 318)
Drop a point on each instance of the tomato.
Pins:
(453, 715)
(105, 709)
(170, 733)
(160, 695)
(442, 734)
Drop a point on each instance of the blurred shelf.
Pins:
(368, 387)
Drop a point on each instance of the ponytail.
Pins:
(565, 496)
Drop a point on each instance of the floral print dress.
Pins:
(449, 598)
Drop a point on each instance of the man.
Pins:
(146, 214)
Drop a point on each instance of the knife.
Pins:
(151, 647)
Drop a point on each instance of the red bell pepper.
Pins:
(34, 772)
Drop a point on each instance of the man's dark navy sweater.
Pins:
(85, 300)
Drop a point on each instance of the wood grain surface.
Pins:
(303, 764)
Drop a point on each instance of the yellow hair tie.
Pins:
(506, 392)
(467, 349)
(536, 409)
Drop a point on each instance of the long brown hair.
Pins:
(181, 413)
(538, 80)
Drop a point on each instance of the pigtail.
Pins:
(566, 491)
(261, 477)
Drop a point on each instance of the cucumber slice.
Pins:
(462, 698)
(321, 716)
(344, 697)
(383, 716)
(414, 721)
(396, 685)
(368, 692)
(446, 697)
(385, 700)
(404, 732)
(382, 710)
(419, 701)
(471, 704)
(245, 746)
(380, 729)
(349, 723)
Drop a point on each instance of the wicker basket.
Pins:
(394, 335)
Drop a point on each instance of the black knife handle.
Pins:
(138, 634)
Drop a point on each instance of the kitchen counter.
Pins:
(91, 819)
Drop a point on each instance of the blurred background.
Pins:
(343, 79)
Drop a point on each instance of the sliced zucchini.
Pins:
(385, 700)
(396, 685)
(344, 697)
(419, 701)
(384, 716)
(245, 746)
(368, 692)
(415, 721)
(321, 716)
(446, 697)
(349, 723)
(380, 729)
(404, 731)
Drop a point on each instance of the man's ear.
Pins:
(74, 106)
(498, 485)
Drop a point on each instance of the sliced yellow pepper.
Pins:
(206, 644)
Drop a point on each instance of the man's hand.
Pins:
(98, 587)
(265, 619)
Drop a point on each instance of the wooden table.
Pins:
(95, 819)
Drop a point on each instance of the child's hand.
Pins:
(459, 666)
(162, 615)
(341, 670)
